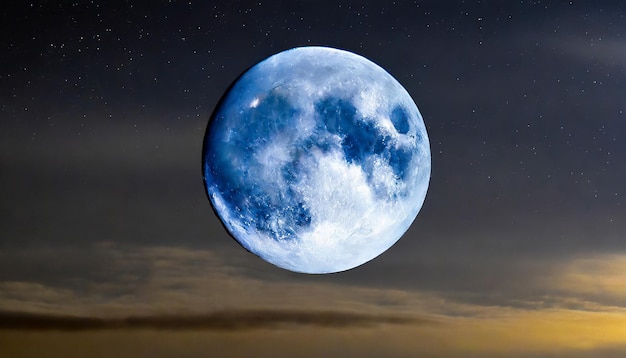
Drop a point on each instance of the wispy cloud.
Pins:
(611, 52)
(174, 280)
(601, 278)
(123, 281)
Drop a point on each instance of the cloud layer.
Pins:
(574, 307)
(232, 320)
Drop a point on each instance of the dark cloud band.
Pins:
(217, 321)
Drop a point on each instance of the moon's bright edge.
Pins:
(316, 160)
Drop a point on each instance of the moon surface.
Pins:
(316, 160)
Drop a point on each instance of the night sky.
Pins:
(109, 246)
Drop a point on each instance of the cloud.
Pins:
(595, 275)
(227, 320)
(595, 282)
(159, 144)
(220, 295)
(608, 52)
(115, 280)
(513, 333)
(118, 281)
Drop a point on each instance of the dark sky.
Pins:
(103, 108)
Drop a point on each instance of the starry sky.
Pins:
(109, 245)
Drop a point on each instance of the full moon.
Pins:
(316, 160)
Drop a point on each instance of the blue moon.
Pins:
(316, 160)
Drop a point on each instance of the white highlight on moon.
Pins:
(356, 210)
